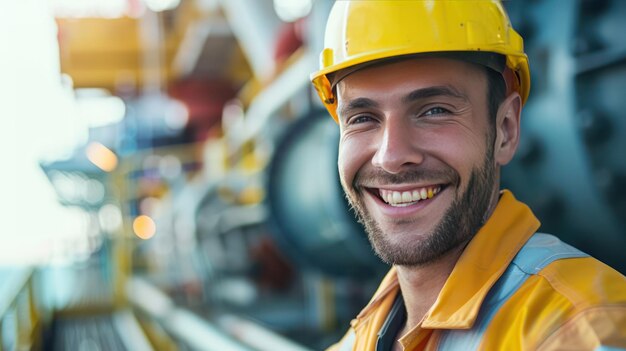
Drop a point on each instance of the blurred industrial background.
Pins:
(169, 180)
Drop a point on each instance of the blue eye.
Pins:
(436, 111)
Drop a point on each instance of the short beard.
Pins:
(462, 220)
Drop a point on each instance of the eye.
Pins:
(359, 119)
(436, 111)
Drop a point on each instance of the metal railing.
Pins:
(227, 332)
(20, 327)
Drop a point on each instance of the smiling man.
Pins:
(428, 97)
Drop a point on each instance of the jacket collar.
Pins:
(483, 261)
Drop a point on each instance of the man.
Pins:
(428, 96)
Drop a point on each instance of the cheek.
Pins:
(345, 164)
(460, 148)
(352, 157)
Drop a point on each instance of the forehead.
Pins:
(413, 74)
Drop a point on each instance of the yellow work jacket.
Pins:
(511, 289)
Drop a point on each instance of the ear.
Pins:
(507, 129)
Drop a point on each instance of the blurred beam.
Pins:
(11, 288)
(599, 60)
(201, 334)
(192, 44)
(130, 331)
(253, 334)
(255, 25)
(194, 331)
(152, 58)
(292, 80)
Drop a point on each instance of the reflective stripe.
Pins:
(543, 249)
(608, 348)
(538, 252)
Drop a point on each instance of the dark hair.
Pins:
(496, 93)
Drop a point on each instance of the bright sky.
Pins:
(37, 120)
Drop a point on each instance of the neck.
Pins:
(420, 285)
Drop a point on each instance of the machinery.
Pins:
(570, 166)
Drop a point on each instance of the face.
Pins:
(416, 156)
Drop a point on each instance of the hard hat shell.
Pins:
(362, 31)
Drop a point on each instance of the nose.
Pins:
(398, 148)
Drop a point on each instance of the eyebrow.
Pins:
(355, 104)
(417, 94)
(424, 93)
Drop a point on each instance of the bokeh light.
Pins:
(101, 156)
(144, 227)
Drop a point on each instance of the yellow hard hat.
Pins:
(362, 31)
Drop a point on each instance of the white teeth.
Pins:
(397, 197)
(416, 195)
(406, 198)
(403, 204)
(424, 193)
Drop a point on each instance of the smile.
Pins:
(408, 197)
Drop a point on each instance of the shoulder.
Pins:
(565, 296)
(595, 296)
(569, 274)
